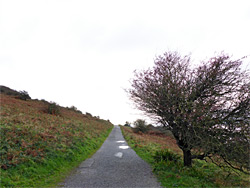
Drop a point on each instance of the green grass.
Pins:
(50, 171)
(170, 171)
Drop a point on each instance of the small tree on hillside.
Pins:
(23, 95)
(207, 108)
(53, 108)
(140, 126)
(127, 124)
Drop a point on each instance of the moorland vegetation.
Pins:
(41, 142)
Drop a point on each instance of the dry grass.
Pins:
(165, 142)
(26, 124)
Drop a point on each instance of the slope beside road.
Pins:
(115, 164)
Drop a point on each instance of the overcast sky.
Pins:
(83, 53)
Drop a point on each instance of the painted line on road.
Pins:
(119, 154)
(120, 141)
(123, 147)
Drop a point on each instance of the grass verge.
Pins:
(166, 161)
(38, 149)
(50, 171)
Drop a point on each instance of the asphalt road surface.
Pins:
(115, 164)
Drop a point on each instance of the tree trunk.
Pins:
(187, 158)
(184, 147)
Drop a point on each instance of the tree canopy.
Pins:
(207, 108)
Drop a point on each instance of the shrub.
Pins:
(88, 114)
(23, 95)
(127, 124)
(53, 109)
(140, 126)
(73, 108)
(44, 101)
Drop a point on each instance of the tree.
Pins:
(23, 95)
(127, 124)
(140, 126)
(53, 108)
(206, 108)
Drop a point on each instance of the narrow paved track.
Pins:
(113, 165)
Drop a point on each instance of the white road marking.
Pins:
(119, 154)
(123, 147)
(120, 141)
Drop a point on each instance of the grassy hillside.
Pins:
(38, 146)
(162, 152)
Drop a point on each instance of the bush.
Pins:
(73, 108)
(127, 124)
(53, 109)
(23, 95)
(166, 155)
(140, 126)
(89, 114)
